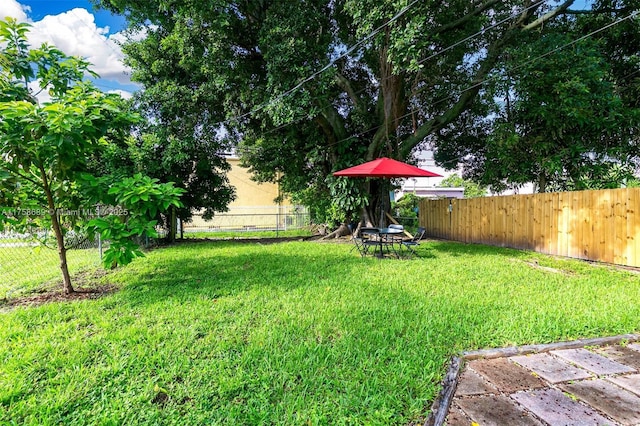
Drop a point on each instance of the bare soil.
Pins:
(84, 283)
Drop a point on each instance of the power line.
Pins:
(544, 55)
(482, 31)
(323, 69)
(440, 52)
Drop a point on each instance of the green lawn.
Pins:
(292, 333)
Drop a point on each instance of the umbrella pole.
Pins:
(384, 200)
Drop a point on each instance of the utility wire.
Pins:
(482, 31)
(323, 69)
(440, 52)
(364, 132)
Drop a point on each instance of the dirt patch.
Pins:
(534, 264)
(84, 283)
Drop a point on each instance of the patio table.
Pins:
(388, 237)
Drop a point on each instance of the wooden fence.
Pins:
(599, 225)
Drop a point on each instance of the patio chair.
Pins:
(359, 244)
(361, 241)
(415, 241)
(371, 238)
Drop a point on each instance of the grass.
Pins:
(23, 269)
(292, 333)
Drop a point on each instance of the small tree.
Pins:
(45, 150)
(406, 209)
(471, 189)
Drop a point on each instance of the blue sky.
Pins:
(41, 8)
(77, 29)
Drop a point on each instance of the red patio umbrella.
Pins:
(385, 168)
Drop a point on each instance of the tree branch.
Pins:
(335, 120)
(466, 97)
(455, 24)
(332, 124)
(26, 177)
(549, 15)
(346, 86)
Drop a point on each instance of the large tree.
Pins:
(566, 122)
(402, 75)
(180, 139)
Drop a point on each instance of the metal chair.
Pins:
(415, 241)
(363, 240)
(359, 244)
(371, 238)
(395, 241)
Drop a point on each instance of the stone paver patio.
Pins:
(557, 385)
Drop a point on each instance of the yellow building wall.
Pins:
(253, 208)
(248, 192)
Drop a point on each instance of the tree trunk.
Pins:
(542, 183)
(57, 230)
(379, 204)
(342, 231)
(173, 226)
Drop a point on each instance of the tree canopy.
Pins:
(310, 87)
(565, 122)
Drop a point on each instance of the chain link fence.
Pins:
(249, 219)
(30, 261)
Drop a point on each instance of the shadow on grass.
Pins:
(458, 249)
(225, 269)
(222, 269)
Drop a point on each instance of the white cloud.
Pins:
(42, 95)
(75, 33)
(13, 9)
(123, 93)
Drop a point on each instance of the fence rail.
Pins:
(599, 225)
(268, 218)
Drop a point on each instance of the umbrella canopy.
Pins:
(385, 168)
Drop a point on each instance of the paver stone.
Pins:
(622, 406)
(470, 383)
(556, 408)
(456, 417)
(621, 354)
(630, 382)
(550, 368)
(496, 410)
(634, 346)
(593, 362)
(505, 375)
